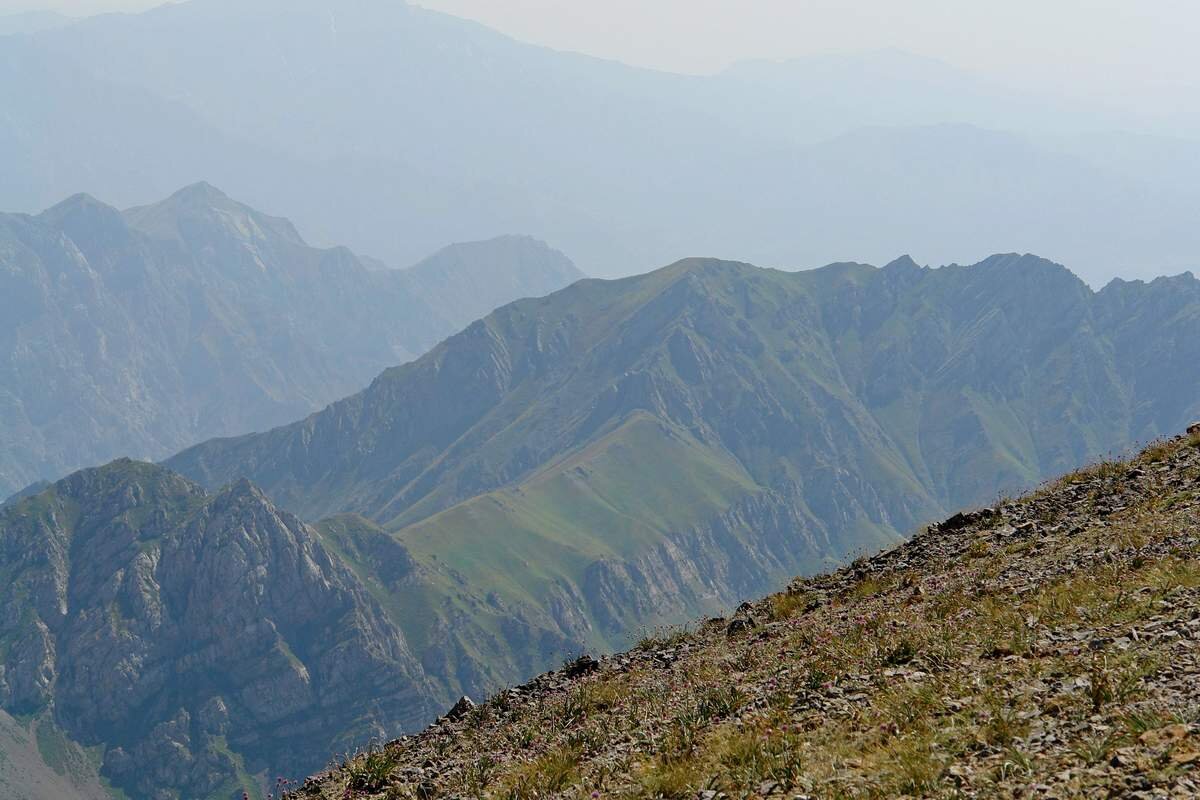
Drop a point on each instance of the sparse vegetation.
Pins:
(370, 773)
(662, 637)
(962, 664)
(786, 605)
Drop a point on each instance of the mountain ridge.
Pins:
(557, 478)
(1003, 276)
(180, 628)
(137, 332)
(775, 168)
(711, 428)
(1046, 640)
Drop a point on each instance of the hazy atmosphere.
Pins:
(1140, 54)
(668, 400)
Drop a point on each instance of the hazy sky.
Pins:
(1127, 50)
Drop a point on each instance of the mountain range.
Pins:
(626, 452)
(396, 129)
(143, 331)
(558, 477)
(561, 476)
(315, 499)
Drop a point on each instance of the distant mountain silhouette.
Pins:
(142, 331)
(395, 129)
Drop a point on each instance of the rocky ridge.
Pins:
(198, 639)
(1046, 646)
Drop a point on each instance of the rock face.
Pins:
(140, 332)
(572, 470)
(196, 637)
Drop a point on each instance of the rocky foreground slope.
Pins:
(1046, 646)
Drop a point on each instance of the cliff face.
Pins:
(196, 637)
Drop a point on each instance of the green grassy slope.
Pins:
(574, 468)
(1047, 641)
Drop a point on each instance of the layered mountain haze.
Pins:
(336, 466)
(626, 453)
(395, 129)
(140, 332)
(558, 477)
(465, 282)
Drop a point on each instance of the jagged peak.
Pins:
(122, 470)
(241, 488)
(1022, 268)
(1181, 279)
(904, 262)
(78, 200)
(705, 264)
(1021, 261)
(193, 197)
(199, 192)
(78, 206)
(202, 200)
(127, 478)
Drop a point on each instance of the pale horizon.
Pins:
(1122, 55)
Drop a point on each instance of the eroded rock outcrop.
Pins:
(192, 634)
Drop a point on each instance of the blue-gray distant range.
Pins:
(394, 130)
(143, 331)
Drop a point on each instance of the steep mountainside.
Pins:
(144, 331)
(396, 129)
(625, 453)
(1047, 646)
(187, 640)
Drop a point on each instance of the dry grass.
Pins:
(879, 683)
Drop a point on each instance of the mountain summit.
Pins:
(143, 331)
